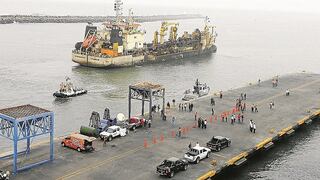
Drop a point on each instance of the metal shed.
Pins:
(23, 123)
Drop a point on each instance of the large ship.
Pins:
(121, 43)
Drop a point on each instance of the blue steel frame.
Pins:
(24, 129)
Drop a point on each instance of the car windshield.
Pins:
(193, 152)
(214, 140)
(110, 130)
(167, 163)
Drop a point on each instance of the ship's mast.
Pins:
(118, 9)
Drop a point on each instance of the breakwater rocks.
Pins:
(9, 19)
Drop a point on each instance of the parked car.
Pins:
(135, 122)
(197, 153)
(218, 142)
(4, 175)
(112, 132)
(79, 142)
(171, 166)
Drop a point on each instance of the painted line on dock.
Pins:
(88, 168)
(219, 155)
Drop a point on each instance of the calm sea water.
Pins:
(35, 58)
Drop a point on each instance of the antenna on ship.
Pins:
(118, 9)
(130, 16)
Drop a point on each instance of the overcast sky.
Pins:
(17, 6)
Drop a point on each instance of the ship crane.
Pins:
(162, 33)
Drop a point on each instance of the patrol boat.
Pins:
(68, 90)
(199, 90)
(121, 43)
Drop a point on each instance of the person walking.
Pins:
(254, 127)
(195, 116)
(205, 124)
(173, 121)
(242, 117)
(251, 125)
(185, 107)
(212, 111)
(252, 108)
(197, 144)
(270, 105)
(239, 117)
(220, 94)
(179, 106)
(199, 122)
(255, 108)
(202, 124)
(245, 96)
(191, 106)
(179, 132)
(287, 92)
(149, 123)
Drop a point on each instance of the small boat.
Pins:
(67, 90)
(198, 91)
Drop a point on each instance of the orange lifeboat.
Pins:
(90, 39)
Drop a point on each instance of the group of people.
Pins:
(183, 106)
(202, 123)
(252, 126)
(254, 108)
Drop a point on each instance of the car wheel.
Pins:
(197, 160)
(228, 144)
(110, 138)
(185, 167)
(63, 145)
(78, 149)
(171, 174)
(218, 148)
(133, 127)
(208, 155)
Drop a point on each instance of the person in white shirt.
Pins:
(251, 125)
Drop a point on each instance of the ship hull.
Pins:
(129, 60)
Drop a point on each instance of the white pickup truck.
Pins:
(112, 132)
(197, 153)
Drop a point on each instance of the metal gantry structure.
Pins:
(146, 91)
(23, 123)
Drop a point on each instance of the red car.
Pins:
(79, 142)
(135, 122)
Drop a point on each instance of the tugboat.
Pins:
(67, 90)
(198, 91)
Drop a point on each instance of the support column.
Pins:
(28, 138)
(129, 114)
(163, 102)
(150, 104)
(51, 136)
(15, 147)
(142, 110)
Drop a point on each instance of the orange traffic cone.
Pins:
(145, 143)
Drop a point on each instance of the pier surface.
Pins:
(137, 155)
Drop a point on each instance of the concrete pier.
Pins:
(137, 155)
